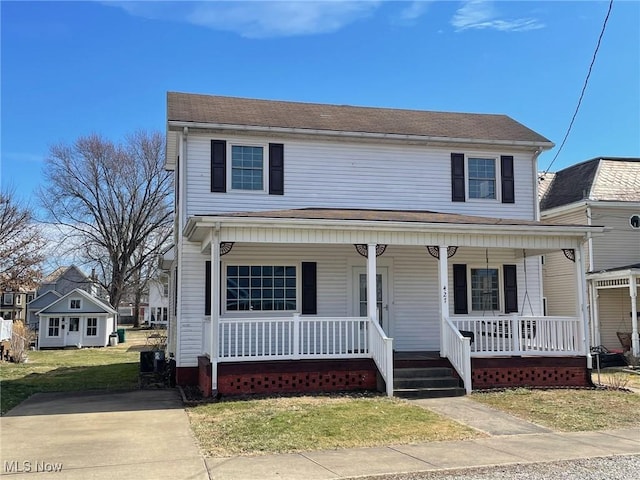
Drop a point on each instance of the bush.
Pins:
(21, 338)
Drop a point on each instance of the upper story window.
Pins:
(247, 168)
(75, 304)
(482, 178)
(7, 298)
(18, 299)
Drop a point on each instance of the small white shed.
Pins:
(76, 319)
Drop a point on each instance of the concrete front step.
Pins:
(428, 392)
(434, 382)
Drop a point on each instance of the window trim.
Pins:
(265, 167)
(501, 292)
(498, 177)
(89, 326)
(59, 327)
(6, 296)
(266, 313)
(71, 307)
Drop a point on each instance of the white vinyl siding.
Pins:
(621, 245)
(412, 288)
(355, 175)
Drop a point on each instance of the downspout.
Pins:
(179, 221)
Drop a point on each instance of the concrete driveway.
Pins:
(96, 435)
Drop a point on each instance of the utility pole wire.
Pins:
(584, 88)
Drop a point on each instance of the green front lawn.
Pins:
(109, 368)
(293, 424)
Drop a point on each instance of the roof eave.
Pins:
(179, 124)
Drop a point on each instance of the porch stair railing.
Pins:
(457, 348)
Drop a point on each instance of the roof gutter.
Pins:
(339, 133)
(382, 225)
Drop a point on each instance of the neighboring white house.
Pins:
(76, 319)
(602, 191)
(158, 311)
(317, 243)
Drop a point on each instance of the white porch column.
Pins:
(581, 307)
(633, 292)
(215, 305)
(372, 300)
(443, 284)
(595, 313)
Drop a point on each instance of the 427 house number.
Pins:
(28, 466)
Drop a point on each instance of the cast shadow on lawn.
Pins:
(83, 389)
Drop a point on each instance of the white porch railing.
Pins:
(457, 349)
(295, 338)
(381, 348)
(516, 335)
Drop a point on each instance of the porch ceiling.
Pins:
(345, 226)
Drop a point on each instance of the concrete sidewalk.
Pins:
(146, 435)
(143, 434)
(509, 441)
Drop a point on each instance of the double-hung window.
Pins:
(92, 327)
(54, 327)
(247, 168)
(261, 288)
(482, 177)
(485, 289)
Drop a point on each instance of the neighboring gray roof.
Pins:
(102, 307)
(59, 272)
(600, 179)
(211, 109)
(43, 300)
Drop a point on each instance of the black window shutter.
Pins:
(207, 287)
(510, 289)
(507, 177)
(460, 289)
(218, 166)
(276, 169)
(457, 177)
(309, 288)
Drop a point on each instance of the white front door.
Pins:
(73, 331)
(382, 295)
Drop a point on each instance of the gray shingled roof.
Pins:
(601, 179)
(211, 109)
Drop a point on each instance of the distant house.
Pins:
(75, 319)
(601, 191)
(13, 304)
(62, 281)
(158, 301)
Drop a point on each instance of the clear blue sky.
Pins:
(75, 68)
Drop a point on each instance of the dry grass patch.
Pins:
(568, 410)
(617, 378)
(294, 424)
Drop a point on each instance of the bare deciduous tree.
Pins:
(21, 244)
(113, 199)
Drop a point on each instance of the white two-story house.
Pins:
(323, 247)
(603, 191)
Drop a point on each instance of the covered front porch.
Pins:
(236, 338)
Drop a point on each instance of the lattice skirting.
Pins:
(296, 377)
(540, 373)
